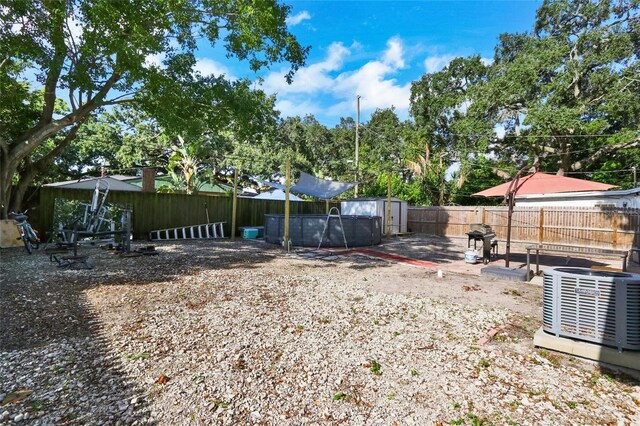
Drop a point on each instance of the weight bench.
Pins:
(66, 261)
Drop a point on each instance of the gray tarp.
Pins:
(271, 184)
(310, 185)
(320, 188)
(275, 194)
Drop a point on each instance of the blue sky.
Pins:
(375, 49)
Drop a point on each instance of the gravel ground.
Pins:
(239, 333)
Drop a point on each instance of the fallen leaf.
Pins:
(162, 379)
(16, 396)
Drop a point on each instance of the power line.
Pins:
(600, 171)
(526, 136)
(471, 135)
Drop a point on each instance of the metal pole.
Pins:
(508, 248)
(286, 204)
(635, 180)
(388, 204)
(357, 143)
(234, 209)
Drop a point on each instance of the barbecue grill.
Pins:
(481, 232)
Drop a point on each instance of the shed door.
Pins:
(395, 217)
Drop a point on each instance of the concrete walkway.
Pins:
(447, 254)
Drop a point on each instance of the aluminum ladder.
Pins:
(204, 231)
(326, 225)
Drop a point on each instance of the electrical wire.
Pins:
(522, 136)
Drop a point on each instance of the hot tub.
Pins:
(306, 230)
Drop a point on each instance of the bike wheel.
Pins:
(32, 236)
(27, 244)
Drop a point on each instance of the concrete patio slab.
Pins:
(592, 351)
(509, 274)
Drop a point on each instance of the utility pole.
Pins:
(357, 142)
(635, 179)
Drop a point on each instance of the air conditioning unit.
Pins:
(595, 306)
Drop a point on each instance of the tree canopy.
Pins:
(79, 86)
(96, 53)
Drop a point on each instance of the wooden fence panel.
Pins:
(153, 211)
(590, 227)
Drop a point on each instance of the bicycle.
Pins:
(28, 235)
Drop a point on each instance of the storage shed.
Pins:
(378, 207)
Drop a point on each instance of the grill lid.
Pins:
(480, 228)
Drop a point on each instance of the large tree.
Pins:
(446, 130)
(568, 93)
(96, 53)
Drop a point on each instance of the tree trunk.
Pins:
(12, 155)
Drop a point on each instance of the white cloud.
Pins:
(206, 66)
(154, 60)
(436, 63)
(297, 19)
(310, 79)
(486, 61)
(373, 81)
(290, 108)
(75, 27)
(394, 55)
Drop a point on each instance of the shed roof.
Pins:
(90, 183)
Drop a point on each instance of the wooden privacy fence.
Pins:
(153, 211)
(589, 227)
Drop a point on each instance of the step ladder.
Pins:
(194, 232)
(326, 226)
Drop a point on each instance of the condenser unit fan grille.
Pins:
(593, 306)
(633, 315)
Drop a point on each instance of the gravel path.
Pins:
(238, 333)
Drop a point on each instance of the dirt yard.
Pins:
(240, 333)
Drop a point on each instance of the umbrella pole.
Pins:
(509, 215)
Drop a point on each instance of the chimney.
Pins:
(148, 179)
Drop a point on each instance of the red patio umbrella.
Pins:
(544, 183)
(537, 183)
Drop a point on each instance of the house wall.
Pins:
(631, 201)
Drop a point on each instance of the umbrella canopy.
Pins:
(543, 183)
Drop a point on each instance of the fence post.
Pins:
(286, 204)
(614, 229)
(234, 206)
(541, 226)
(484, 216)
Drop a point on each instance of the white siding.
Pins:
(378, 207)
